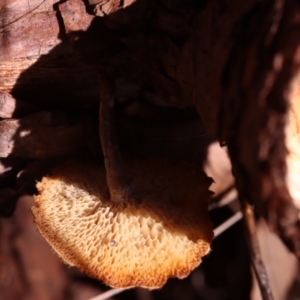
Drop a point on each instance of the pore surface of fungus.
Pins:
(136, 243)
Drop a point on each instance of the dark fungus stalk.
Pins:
(118, 185)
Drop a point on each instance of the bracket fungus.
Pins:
(126, 244)
(133, 230)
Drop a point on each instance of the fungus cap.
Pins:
(127, 244)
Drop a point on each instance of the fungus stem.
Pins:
(119, 188)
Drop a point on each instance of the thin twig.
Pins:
(108, 294)
(228, 223)
(230, 197)
(258, 265)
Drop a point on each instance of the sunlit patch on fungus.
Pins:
(127, 244)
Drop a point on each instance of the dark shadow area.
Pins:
(139, 48)
(224, 273)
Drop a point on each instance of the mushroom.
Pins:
(128, 231)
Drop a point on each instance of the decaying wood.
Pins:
(37, 136)
(263, 63)
(159, 67)
(7, 105)
(74, 16)
(106, 7)
(28, 30)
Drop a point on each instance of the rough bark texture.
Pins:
(255, 105)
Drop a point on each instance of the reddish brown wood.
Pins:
(37, 136)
